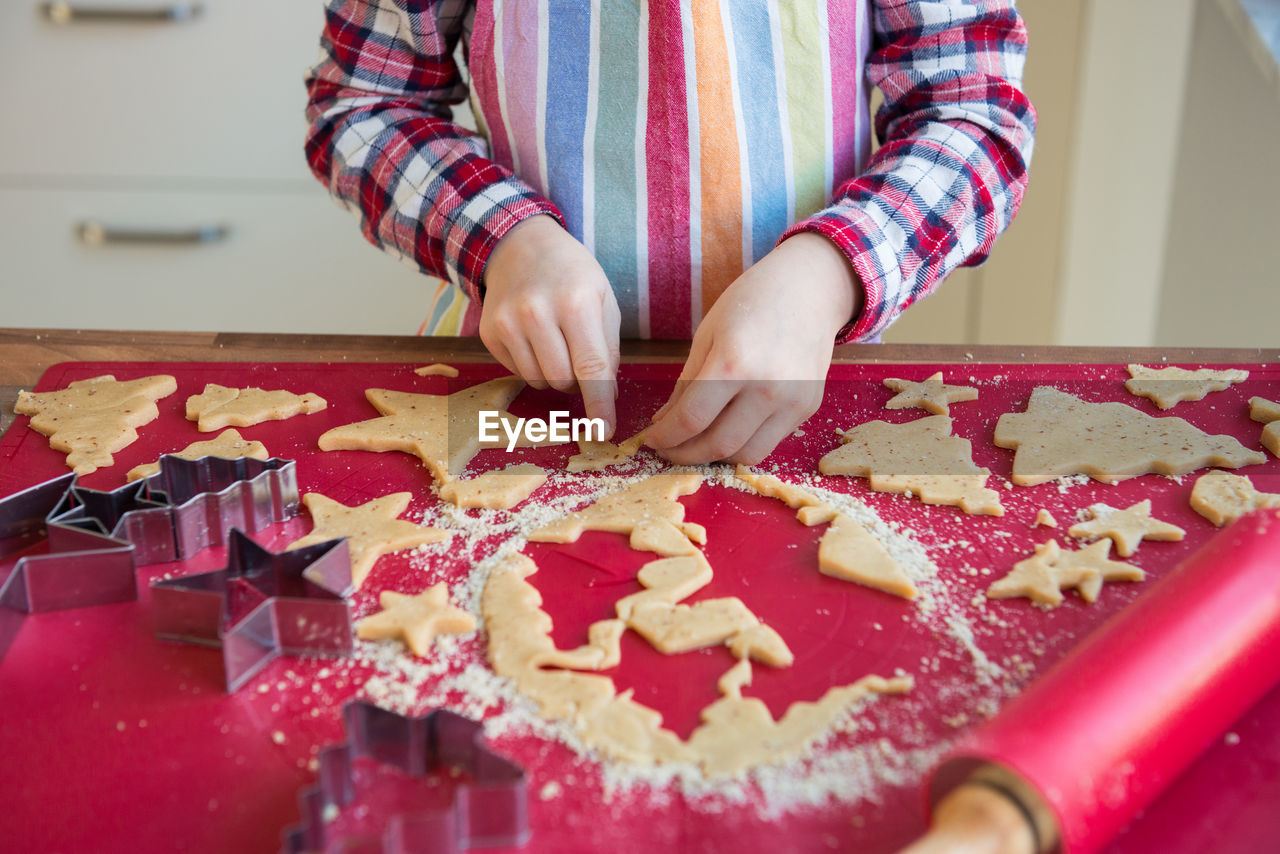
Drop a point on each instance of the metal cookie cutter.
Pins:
(85, 564)
(261, 605)
(209, 496)
(489, 803)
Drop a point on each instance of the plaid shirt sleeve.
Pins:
(381, 138)
(958, 134)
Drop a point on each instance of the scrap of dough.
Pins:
(810, 509)
(501, 489)
(1127, 528)
(92, 419)
(227, 445)
(519, 646)
(849, 551)
(668, 580)
(1263, 410)
(1062, 435)
(647, 511)
(1167, 387)
(442, 430)
(372, 529)
(1044, 517)
(618, 727)
(219, 406)
(1268, 413)
(761, 643)
(738, 733)
(931, 394)
(673, 629)
(735, 678)
(418, 620)
(436, 369)
(920, 457)
(599, 455)
(1222, 498)
(1043, 576)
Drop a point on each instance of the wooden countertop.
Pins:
(26, 353)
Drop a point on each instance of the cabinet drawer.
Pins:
(261, 262)
(216, 95)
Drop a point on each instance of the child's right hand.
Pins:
(550, 316)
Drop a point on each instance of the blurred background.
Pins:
(152, 177)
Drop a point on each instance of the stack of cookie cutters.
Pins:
(96, 539)
(489, 807)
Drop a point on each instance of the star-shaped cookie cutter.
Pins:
(261, 605)
(489, 805)
(85, 563)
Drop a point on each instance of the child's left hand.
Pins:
(759, 359)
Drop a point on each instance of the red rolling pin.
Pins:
(1068, 763)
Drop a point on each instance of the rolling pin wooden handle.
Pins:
(994, 812)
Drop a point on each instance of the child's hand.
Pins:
(550, 316)
(758, 362)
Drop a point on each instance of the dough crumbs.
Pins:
(227, 445)
(850, 552)
(1052, 569)
(919, 457)
(599, 455)
(372, 529)
(437, 369)
(219, 406)
(931, 394)
(418, 620)
(1166, 387)
(1045, 518)
(500, 489)
(647, 511)
(1268, 413)
(442, 430)
(1062, 435)
(1126, 528)
(1222, 498)
(92, 419)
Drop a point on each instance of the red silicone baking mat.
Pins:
(113, 741)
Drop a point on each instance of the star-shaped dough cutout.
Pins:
(418, 620)
(931, 394)
(1126, 528)
(372, 529)
(442, 430)
(1167, 387)
(1043, 576)
(220, 406)
(920, 457)
(227, 445)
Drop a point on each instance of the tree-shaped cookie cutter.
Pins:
(489, 807)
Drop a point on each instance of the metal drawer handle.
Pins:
(61, 12)
(94, 233)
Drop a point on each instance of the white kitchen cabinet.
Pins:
(167, 127)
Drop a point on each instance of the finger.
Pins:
(526, 364)
(594, 369)
(693, 366)
(550, 350)
(701, 402)
(775, 428)
(731, 430)
(500, 352)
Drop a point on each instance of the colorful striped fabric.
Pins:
(677, 139)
